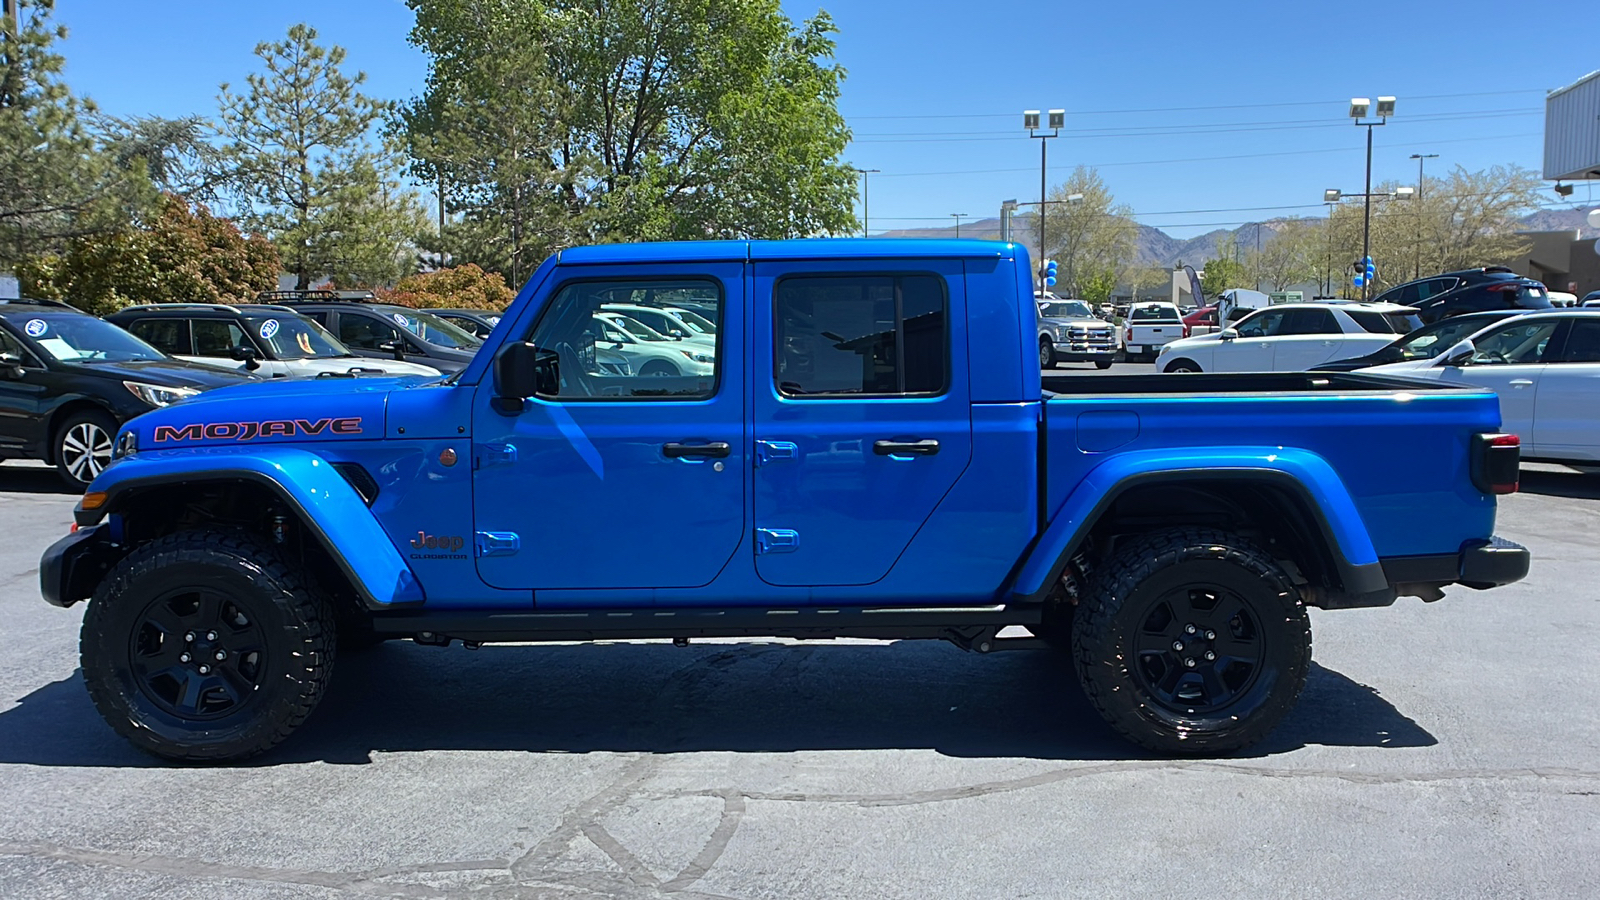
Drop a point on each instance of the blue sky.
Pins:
(1155, 92)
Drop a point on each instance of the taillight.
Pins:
(1496, 463)
(1129, 337)
(1186, 329)
(1503, 288)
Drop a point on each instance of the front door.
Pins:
(1309, 337)
(862, 413)
(1254, 350)
(21, 399)
(614, 478)
(1510, 361)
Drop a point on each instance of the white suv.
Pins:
(1291, 337)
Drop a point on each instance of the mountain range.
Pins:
(1157, 248)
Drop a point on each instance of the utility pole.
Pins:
(1358, 112)
(866, 218)
(1420, 158)
(958, 217)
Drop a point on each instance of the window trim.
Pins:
(722, 315)
(899, 312)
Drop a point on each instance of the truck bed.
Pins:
(1236, 383)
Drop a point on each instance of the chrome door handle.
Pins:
(1521, 382)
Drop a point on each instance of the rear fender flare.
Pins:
(1302, 472)
(330, 508)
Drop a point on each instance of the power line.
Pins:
(1192, 130)
(1323, 121)
(1229, 106)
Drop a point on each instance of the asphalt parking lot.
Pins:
(1443, 750)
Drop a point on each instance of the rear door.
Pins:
(862, 411)
(1308, 337)
(1566, 419)
(613, 481)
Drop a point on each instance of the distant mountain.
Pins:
(1156, 247)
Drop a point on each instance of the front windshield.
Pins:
(637, 328)
(435, 330)
(1065, 309)
(289, 336)
(1430, 342)
(694, 320)
(73, 337)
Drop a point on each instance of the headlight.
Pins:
(127, 444)
(699, 357)
(158, 395)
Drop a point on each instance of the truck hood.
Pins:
(278, 411)
(1088, 322)
(341, 364)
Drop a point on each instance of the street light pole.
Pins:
(1030, 121)
(1358, 112)
(866, 196)
(1420, 158)
(958, 217)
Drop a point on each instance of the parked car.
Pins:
(1545, 367)
(1290, 337)
(1423, 343)
(878, 456)
(645, 328)
(1070, 332)
(479, 323)
(1469, 290)
(652, 356)
(270, 341)
(1590, 300)
(674, 322)
(383, 330)
(68, 380)
(1562, 300)
(1149, 327)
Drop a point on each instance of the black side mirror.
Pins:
(10, 365)
(522, 370)
(397, 347)
(249, 356)
(1459, 355)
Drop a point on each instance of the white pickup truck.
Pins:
(1149, 327)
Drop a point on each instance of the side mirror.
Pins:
(522, 370)
(248, 356)
(1230, 334)
(397, 347)
(10, 365)
(1459, 355)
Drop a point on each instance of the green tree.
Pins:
(1225, 271)
(177, 155)
(55, 183)
(461, 287)
(307, 170)
(182, 254)
(1286, 255)
(1089, 235)
(547, 125)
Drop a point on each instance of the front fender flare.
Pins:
(330, 508)
(1301, 471)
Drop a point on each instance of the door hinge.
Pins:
(498, 543)
(485, 455)
(768, 451)
(777, 540)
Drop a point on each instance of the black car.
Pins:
(68, 380)
(383, 330)
(1425, 342)
(1469, 290)
(479, 323)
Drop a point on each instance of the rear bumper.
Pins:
(1479, 564)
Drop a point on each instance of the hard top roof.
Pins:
(805, 248)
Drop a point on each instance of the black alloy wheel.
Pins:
(196, 654)
(1192, 641)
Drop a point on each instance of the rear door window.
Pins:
(365, 332)
(853, 335)
(1583, 342)
(170, 336)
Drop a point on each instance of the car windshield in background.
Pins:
(70, 337)
(293, 337)
(699, 323)
(637, 328)
(435, 330)
(1384, 323)
(1065, 309)
(1154, 314)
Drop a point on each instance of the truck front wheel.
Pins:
(1192, 641)
(206, 645)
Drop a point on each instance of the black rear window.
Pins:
(1154, 314)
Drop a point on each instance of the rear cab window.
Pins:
(861, 335)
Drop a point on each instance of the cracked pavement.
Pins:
(1443, 749)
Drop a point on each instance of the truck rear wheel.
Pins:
(1192, 641)
(205, 645)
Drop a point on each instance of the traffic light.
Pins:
(1049, 273)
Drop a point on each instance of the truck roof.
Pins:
(808, 248)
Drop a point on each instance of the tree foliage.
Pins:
(55, 183)
(1224, 270)
(547, 124)
(461, 287)
(177, 155)
(304, 163)
(1092, 239)
(183, 254)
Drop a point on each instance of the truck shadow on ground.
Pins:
(15, 479)
(1560, 483)
(709, 697)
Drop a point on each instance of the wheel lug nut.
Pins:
(211, 635)
(1210, 656)
(189, 636)
(1189, 661)
(183, 657)
(222, 655)
(1189, 629)
(206, 670)
(1177, 645)
(1211, 635)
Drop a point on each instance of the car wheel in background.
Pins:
(1182, 366)
(658, 369)
(1047, 354)
(1192, 640)
(1102, 364)
(83, 446)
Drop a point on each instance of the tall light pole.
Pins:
(1030, 121)
(1358, 112)
(1364, 265)
(958, 217)
(1331, 198)
(865, 197)
(1420, 158)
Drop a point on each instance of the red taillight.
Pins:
(1496, 463)
(1129, 338)
(1502, 288)
(74, 529)
(1186, 329)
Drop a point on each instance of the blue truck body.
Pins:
(439, 509)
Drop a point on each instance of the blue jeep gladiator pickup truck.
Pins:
(860, 445)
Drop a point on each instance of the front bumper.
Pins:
(72, 566)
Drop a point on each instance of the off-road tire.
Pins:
(292, 626)
(1164, 570)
